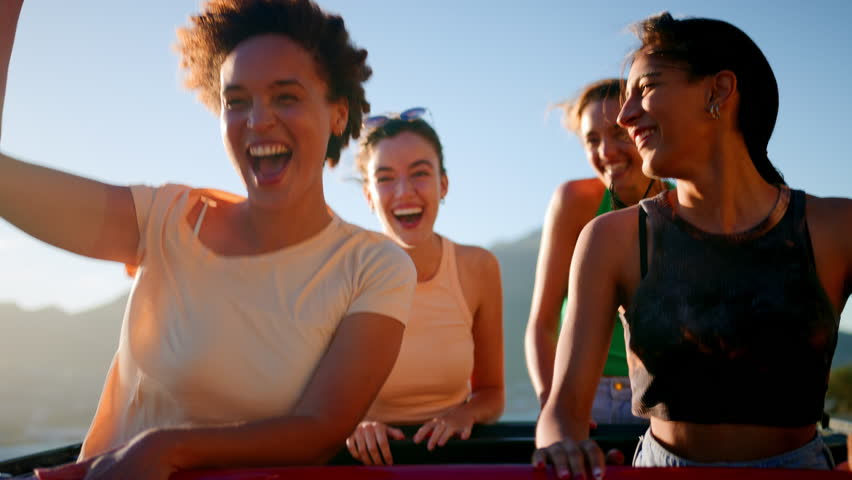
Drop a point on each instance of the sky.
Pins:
(94, 89)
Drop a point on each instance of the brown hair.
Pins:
(390, 129)
(705, 47)
(572, 110)
(224, 24)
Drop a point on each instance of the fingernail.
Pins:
(597, 473)
(562, 472)
(539, 465)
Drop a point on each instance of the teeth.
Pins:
(614, 169)
(267, 149)
(644, 134)
(408, 211)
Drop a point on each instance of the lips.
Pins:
(640, 135)
(269, 162)
(408, 217)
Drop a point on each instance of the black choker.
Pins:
(616, 202)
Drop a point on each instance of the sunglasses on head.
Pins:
(409, 115)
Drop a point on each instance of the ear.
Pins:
(339, 115)
(445, 185)
(723, 89)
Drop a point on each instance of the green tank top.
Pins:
(616, 359)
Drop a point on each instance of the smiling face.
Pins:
(276, 120)
(609, 149)
(404, 186)
(665, 113)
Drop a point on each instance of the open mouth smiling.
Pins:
(269, 161)
(408, 217)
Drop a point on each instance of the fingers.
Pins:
(437, 435)
(384, 448)
(465, 433)
(595, 460)
(423, 431)
(351, 445)
(440, 434)
(369, 443)
(396, 433)
(583, 460)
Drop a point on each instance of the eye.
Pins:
(420, 173)
(285, 98)
(383, 179)
(643, 89)
(592, 141)
(235, 103)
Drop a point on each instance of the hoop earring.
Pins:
(714, 111)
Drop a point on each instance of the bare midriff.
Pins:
(728, 442)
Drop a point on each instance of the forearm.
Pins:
(485, 404)
(558, 422)
(540, 350)
(10, 10)
(291, 440)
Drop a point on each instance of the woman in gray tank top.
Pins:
(733, 284)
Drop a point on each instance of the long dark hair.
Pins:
(706, 46)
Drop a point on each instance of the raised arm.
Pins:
(479, 272)
(73, 213)
(562, 432)
(573, 204)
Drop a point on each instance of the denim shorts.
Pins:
(813, 455)
(613, 402)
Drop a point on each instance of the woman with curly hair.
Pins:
(733, 283)
(250, 317)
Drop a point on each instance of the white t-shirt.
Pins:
(208, 339)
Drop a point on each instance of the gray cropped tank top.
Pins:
(730, 328)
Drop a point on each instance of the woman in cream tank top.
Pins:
(449, 372)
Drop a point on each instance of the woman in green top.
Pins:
(619, 183)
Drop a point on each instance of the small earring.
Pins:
(714, 111)
(443, 200)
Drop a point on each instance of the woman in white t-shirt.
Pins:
(250, 317)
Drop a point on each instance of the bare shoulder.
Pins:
(611, 241)
(474, 259)
(586, 192)
(833, 212)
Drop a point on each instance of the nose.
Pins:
(259, 117)
(629, 112)
(607, 149)
(403, 186)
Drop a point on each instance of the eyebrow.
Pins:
(647, 75)
(420, 162)
(277, 83)
(413, 165)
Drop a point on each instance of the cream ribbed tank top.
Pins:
(435, 362)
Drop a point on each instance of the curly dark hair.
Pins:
(705, 47)
(390, 129)
(572, 110)
(224, 24)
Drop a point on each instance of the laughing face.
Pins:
(404, 186)
(276, 120)
(665, 115)
(610, 150)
